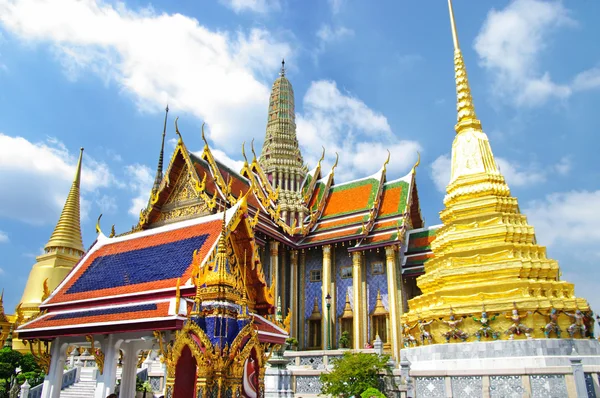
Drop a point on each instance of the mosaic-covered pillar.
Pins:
(358, 315)
(294, 296)
(327, 324)
(394, 301)
(274, 266)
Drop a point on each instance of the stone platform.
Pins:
(518, 356)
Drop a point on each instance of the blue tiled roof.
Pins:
(105, 311)
(156, 263)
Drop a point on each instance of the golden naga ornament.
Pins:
(96, 353)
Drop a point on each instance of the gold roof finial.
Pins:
(67, 233)
(467, 119)
(203, 137)
(244, 152)
(253, 153)
(414, 168)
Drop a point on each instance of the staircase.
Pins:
(82, 389)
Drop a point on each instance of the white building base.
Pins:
(502, 355)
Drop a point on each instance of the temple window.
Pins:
(346, 272)
(315, 275)
(377, 268)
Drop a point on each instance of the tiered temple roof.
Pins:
(146, 280)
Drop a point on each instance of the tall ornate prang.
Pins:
(281, 159)
(61, 253)
(485, 252)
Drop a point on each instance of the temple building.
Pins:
(223, 266)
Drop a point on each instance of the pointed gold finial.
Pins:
(244, 152)
(98, 230)
(253, 153)
(177, 130)
(67, 233)
(414, 168)
(112, 231)
(322, 156)
(203, 137)
(337, 158)
(387, 161)
(467, 119)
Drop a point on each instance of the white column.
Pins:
(105, 384)
(394, 301)
(53, 380)
(129, 374)
(294, 296)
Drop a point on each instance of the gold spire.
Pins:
(485, 250)
(67, 233)
(464, 105)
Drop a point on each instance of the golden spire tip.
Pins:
(453, 26)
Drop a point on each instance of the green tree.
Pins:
(353, 374)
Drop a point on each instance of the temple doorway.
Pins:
(185, 375)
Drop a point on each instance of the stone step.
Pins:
(82, 389)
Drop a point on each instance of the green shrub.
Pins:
(353, 374)
(372, 393)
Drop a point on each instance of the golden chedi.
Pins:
(61, 253)
(488, 278)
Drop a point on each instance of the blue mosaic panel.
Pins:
(105, 311)
(220, 330)
(374, 283)
(312, 290)
(343, 285)
(155, 263)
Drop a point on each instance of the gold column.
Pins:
(294, 295)
(358, 336)
(274, 265)
(301, 316)
(394, 301)
(326, 287)
(283, 282)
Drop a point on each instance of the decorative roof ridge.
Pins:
(333, 230)
(405, 178)
(375, 176)
(107, 306)
(221, 185)
(112, 322)
(316, 215)
(314, 173)
(146, 293)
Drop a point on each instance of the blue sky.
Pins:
(367, 76)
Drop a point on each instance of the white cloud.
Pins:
(563, 167)
(107, 204)
(568, 219)
(510, 43)
(329, 34)
(516, 174)
(587, 80)
(336, 5)
(3, 237)
(36, 178)
(141, 179)
(441, 169)
(344, 124)
(235, 165)
(210, 74)
(567, 223)
(259, 6)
